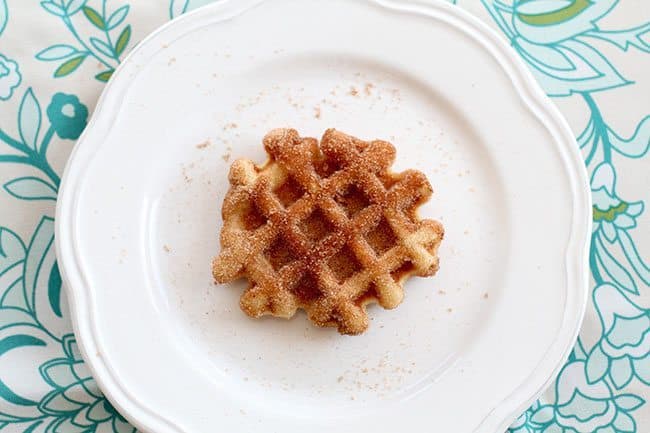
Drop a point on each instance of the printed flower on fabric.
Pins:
(615, 258)
(555, 38)
(623, 351)
(610, 213)
(68, 116)
(583, 407)
(75, 400)
(9, 77)
(523, 424)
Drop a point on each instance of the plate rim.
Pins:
(528, 90)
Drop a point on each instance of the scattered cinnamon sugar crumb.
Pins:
(317, 112)
(486, 295)
(368, 88)
(203, 145)
(340, 379)
(442, 292)
(166, 248)
(172, 60)
(353, 91)
(226, 156)
(230, 125)
(187, 178)
(449, 310)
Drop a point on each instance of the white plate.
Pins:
(137, 222)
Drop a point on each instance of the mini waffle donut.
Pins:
(328, 229)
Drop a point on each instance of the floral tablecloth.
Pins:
(591, 56)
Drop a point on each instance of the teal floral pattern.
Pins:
(556, 38)
(585, 407)
(60, 395)
(622, 353)
(67, 115)
(561, 41)
(111, 37)
(34, 319)
(75, 401)
(9, 77)
(571, 50)
(67, 118)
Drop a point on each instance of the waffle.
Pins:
(325, 229)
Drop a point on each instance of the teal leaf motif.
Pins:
(10, 317)
(624, 39)
(105, 76)
(12, 249)
(75, 6)
(553, 428)
(15, 341)
(553, 57)
(32, 428)
(9, 343)
(587, 134)
(4, 15)
(642, 370)
(619, 275)
(629, 402)
(637, 145)
(117, 17)
(70, 347)
(94, 17)
(98, 412)
(624, 423)
(56, 52)
(13, 299)
(597, 365)
(67, 425)
(69, 66)
(29, 119)
(177, 8)
(30, 188)
(633, 256)
(621, 372)
(54, 290)
(122, 41)
(7, 394)
(56, 404)
(38, 249)
(102, 47)
(543, 415)
(53, 8)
